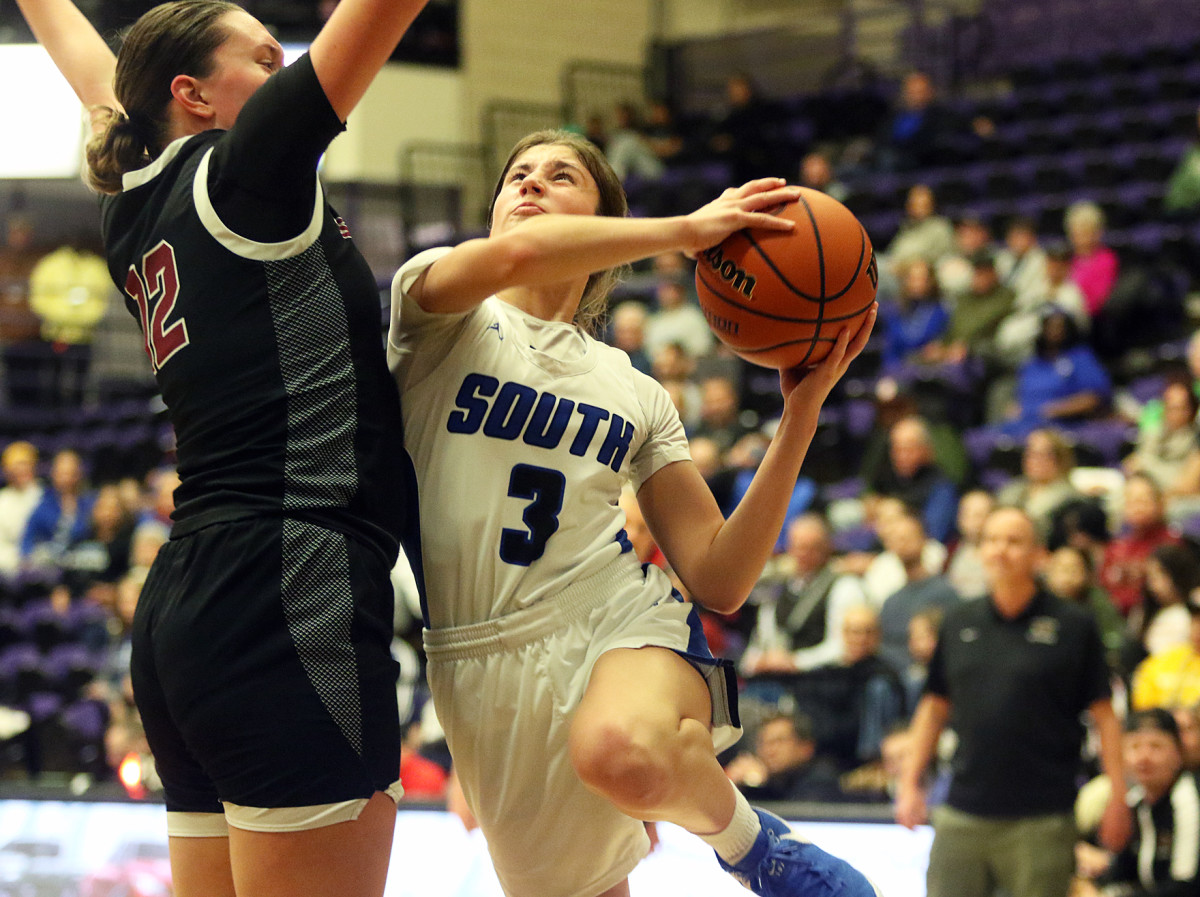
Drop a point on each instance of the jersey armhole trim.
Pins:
(244, 246)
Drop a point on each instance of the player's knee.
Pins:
(617, 760)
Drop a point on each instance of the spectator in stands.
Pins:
(921, 590)
(1082, 523)
(964, 570)
(917, 318)
(741, 135)
(893, 402)
(1021, 263)
(976, 316)
(1143, 529)
(1069, 574)
(1167, 441)
(923, 233)
(798, 611)
(955, 270)
(915, 134)
(922, 642)
(22, 492)
(1161, 620)
(663, 136)
(1024, 265)
(676, 318)
(148, 537)
(1182, 198)
(816, 173)
(720, 414)
(112, 681)
(1162, 859)
(883, 573)
(1171, 678)
(913, 476)
(876, 782)
(93, 563)
(1044, 485)
(628, 333)
(1062, 383)
(1008, 821)
(785, 765)
(1188, 719)
(61, 516)
(628, 151)
(855, 701)
(1094, 266)
(1063, 291)
(160, 498)
(673, 366)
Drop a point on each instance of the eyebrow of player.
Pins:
(555, 167)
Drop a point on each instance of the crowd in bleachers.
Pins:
(1035, 347)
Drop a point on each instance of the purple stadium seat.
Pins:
(1110, 438)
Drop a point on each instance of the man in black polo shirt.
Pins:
(1015, 670)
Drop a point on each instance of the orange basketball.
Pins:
(779, 299)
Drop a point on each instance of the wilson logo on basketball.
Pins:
(722, 326)
(730, 272)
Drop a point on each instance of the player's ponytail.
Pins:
(593, 307)
(119, 146)
(172, 39)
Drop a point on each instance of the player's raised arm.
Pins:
(719, 560)
(77, 49)
(552, 248)
(354, 45)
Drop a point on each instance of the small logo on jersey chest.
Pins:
(1043, 631)
(343, 228)
(496, 326)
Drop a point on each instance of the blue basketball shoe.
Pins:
(782, 864)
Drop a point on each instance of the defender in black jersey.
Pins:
(261, 642)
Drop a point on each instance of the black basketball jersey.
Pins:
(262, 323)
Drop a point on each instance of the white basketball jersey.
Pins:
(523, 433)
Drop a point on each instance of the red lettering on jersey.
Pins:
(155, 289)
(343, 228)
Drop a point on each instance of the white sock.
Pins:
(734, 841)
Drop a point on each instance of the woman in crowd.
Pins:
(1044, 485)
(1162, 620)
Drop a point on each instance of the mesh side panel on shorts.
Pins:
(319, 607)
(309, 317)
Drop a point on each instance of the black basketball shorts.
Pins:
(263, 674)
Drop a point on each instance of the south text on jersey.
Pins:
(513, 411)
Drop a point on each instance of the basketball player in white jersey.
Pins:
(576, 689)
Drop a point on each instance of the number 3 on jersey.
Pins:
(155, 289)
(543, 488)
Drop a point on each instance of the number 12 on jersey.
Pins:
(543, 488)
(155, 289)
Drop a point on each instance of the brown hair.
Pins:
(613, 204)
(171, 39)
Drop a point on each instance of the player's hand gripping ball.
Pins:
(778, 299)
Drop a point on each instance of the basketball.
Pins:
(779, 299)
